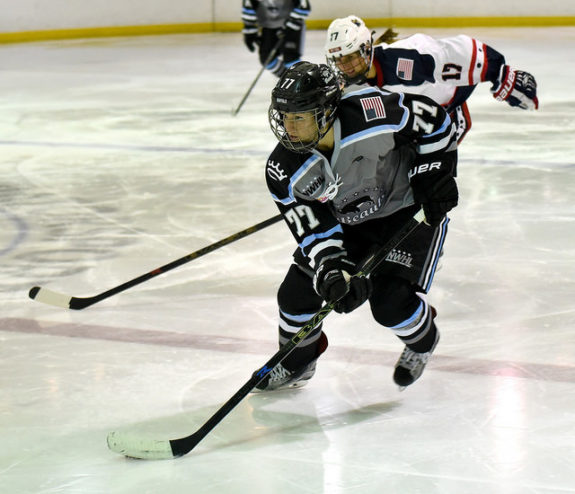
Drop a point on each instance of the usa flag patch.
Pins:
(405, 69)
(372, 108)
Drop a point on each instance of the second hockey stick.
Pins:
(268, 60)
(132, 446)
(50, 297)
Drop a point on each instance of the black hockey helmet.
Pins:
(304, 88)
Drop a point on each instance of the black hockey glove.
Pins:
(437, 198)
(434, 187)
(517, 88)
(333, 283)
(251, 38)
(292, 32)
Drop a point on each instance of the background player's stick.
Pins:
(77, 303)
(268, 60)
(152, 449)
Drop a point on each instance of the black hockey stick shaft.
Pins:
(142, 448)
(78, 303)
(268, 60)
(184, 445)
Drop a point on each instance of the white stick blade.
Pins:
(52, 298)
(138, 447)
(420, 216)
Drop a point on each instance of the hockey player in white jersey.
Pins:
(447, 70)
(347, 173)
(266, 22)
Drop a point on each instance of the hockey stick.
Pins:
(268, 60)
(133, 446)
(49, 297)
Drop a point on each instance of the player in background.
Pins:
(268, 21)
(447, 70)
(347, 173)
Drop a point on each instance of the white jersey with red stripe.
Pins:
(446, 70)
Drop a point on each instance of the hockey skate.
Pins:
(282, 378)
(411, 364)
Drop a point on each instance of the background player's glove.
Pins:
(251, 38)
(437, 198)
(331, 283)
(517, 88)
(292, 33)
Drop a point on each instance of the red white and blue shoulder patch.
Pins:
(372, 108)
(405, 69)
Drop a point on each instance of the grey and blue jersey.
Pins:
(381, 140)
(274, 14)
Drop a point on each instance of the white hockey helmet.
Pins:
(347, 36)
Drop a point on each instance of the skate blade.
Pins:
(286, 387)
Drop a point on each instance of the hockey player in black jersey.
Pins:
(447, 70)
(268, 21)
(347, 173)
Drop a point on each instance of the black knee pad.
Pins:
(296, 294)
(393, 300)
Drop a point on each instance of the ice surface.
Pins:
(121, 155)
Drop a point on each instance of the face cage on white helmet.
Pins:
(323, 124)
(340, 45)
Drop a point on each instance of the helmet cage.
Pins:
(345, 37)
(277, 122)
(304, 88)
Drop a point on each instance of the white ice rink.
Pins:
(121, 155)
